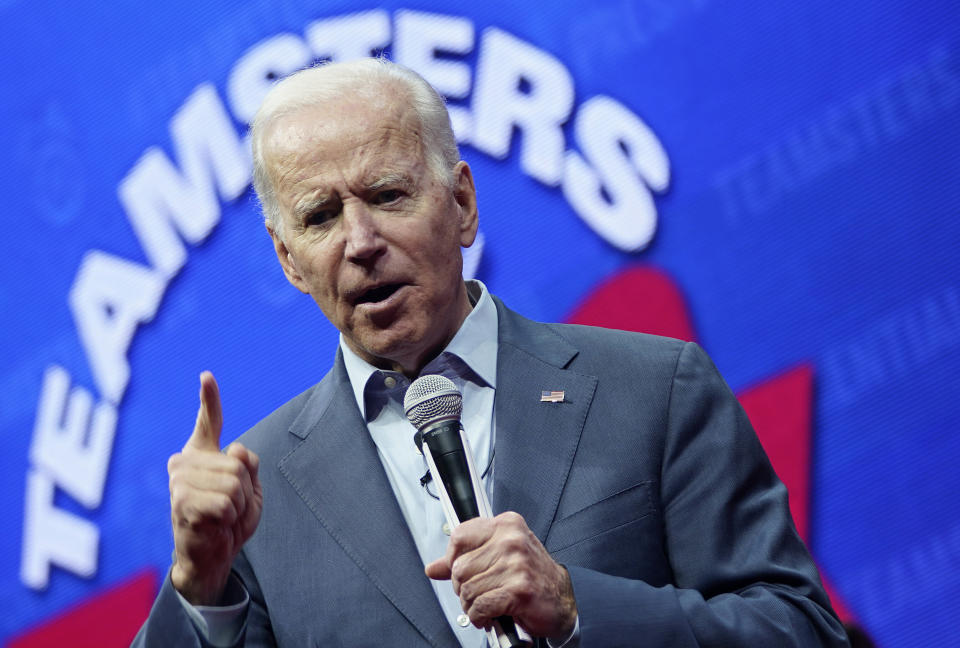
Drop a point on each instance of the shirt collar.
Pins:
(474, 345)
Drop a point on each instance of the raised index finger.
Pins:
(206, 431)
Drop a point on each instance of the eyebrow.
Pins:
(306, 207)
(401, 180)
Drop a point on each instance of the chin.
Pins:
(391, 347)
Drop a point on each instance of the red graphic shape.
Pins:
(640, 299)
(647, 300)
(779, 409)
(846, 614)
(110, 618)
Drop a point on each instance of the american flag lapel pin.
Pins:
(551, 397)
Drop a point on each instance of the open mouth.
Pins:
(378, 294)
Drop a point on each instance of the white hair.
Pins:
(328, 81)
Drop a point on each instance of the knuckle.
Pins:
(180, 501)
(457, 569)
(222, 506)
(484, 607)
(510, 518)
(514, 542)
(456, 543)
(185, 516)
(236, 467)
(519, 563)
(236, 451)
(192, 523)
(468, 592)
(234, 489)
(523, 582)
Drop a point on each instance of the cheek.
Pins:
(319, 264)
(319, 278)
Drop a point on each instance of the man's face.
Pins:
(368, 230)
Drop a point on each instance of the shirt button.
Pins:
(463, 620)
(445, 528)
(390, 382)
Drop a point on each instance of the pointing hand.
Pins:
(215, 502)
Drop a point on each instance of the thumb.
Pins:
(206, 431)
(439, 569)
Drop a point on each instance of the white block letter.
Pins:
(53, 536)
(624, 159)
(109, 298)
(520, 85)
(417, 39)
(258, 69)
(77, 466)
(349, 37)
(158, 197)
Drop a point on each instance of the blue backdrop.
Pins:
(792, 168)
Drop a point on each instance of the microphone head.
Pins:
(432, 398)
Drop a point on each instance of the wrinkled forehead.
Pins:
(380, 126)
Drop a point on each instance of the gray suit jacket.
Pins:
(647, 482)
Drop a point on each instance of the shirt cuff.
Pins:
(220, 625)
(572, 640)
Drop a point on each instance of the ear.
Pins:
(465, 194)
(286, 260)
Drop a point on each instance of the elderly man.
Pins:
(640, 510)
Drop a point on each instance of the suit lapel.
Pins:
(535, 441)
(337, 473)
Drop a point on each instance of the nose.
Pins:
(363, 240)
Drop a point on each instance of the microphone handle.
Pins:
(451, 460)
(446, 447)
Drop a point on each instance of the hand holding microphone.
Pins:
(498, 567)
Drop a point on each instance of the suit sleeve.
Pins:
(742, 576)
(169, 623)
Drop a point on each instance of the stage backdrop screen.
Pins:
(778, 181)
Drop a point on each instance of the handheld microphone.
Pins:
(433, 405)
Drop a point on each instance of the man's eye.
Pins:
(387, 196)
(321, 217)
